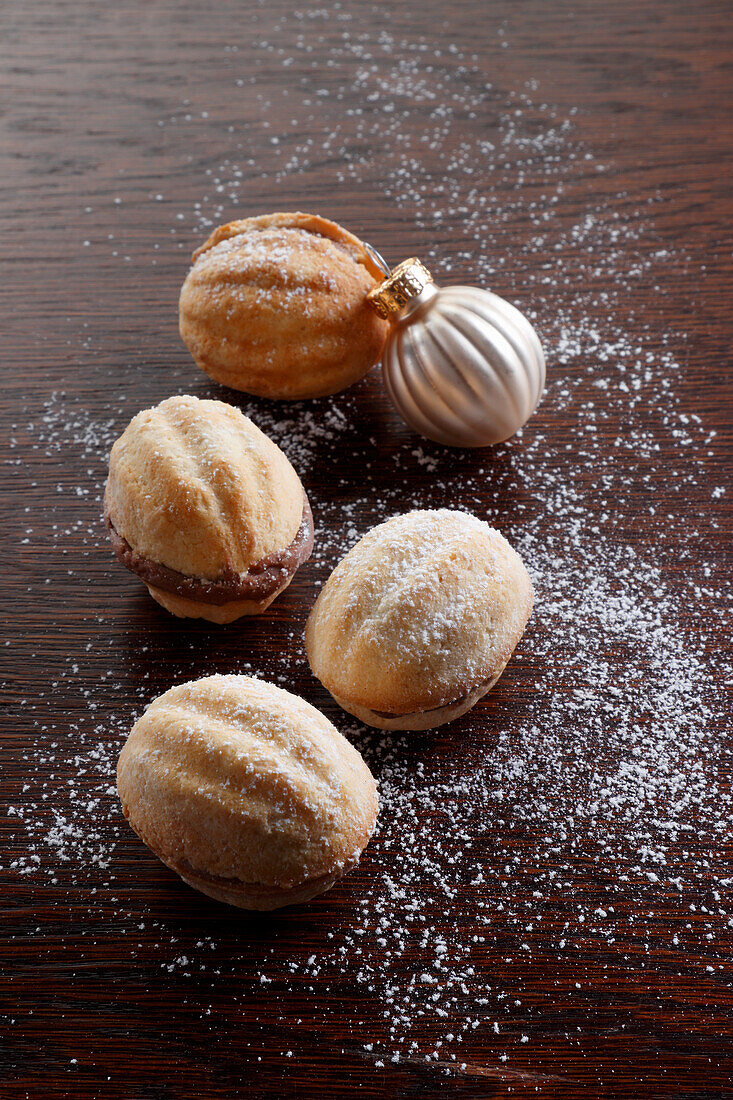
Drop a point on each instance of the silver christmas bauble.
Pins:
(461, 365)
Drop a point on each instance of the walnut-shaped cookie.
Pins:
(206, 510)
(277, 306)
(246, 791)
(419, 619)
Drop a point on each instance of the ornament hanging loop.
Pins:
(378, 258)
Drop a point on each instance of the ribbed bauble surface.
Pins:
(464, 368)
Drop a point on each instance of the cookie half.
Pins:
(276, 306)
(246, 791)
(419, 620)
(206, 510)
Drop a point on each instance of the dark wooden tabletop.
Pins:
(547, 906)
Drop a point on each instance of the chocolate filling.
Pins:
(431, 710)
(260, 581)
(183, 867)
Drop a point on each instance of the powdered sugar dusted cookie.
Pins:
(419, 619)
(277, 306)
(246, 791)
(206, 510)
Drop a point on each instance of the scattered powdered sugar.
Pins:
(611, 758)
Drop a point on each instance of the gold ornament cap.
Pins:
(403, 283)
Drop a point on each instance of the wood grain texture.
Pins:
(103, 110)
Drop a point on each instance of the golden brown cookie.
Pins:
(246, 791)
(419, 619)
(276, 306)
(206, 510)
